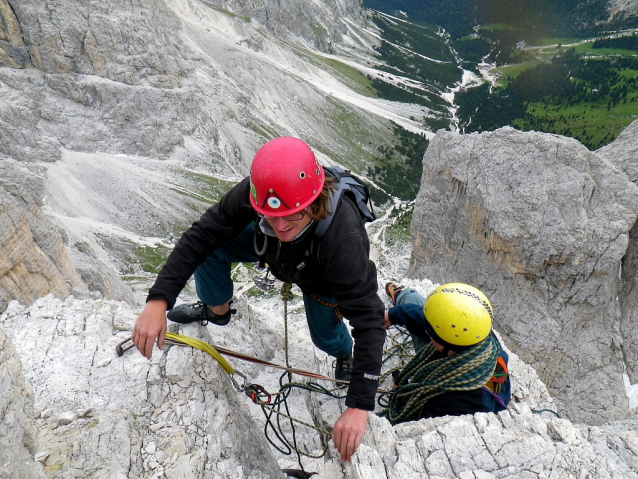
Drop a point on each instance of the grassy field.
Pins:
(590, 123)
(595, 120)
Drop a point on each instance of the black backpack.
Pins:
(346, 184)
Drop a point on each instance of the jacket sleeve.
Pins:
(410, 316)
(218, 225)
(344, 256)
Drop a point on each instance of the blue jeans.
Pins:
(214, 286)
(411, 296)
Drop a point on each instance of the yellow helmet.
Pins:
(458, 315)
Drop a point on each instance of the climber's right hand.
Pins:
(151, 324)
(386, 320)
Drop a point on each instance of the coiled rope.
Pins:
(425, 377)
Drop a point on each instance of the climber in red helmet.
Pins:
(271, 217)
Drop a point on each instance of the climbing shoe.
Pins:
(343, 369)
(199, 311)
(393, 291)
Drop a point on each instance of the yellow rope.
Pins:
(202, 346)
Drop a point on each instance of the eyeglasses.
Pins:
(293, 217)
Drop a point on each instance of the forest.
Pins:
(572, 95)
(398, 165)
(588, 91)
(531, 18)
(628, 42)
(494, 28)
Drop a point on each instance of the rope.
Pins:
(426, 376)
(286, 295)
(395, 356)
(202, 346)
(281, 398)
(287, 446)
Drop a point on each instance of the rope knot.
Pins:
(286, 291)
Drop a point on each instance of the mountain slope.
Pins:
(93, 97)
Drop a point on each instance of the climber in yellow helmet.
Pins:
(459, 367)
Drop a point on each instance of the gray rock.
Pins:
(67, 339)
(205, 428)
(622, 153)
(541, 225)
(18, 436)
(321, 23)
(34, 261)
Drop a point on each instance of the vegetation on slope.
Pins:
(587, 91)
(590, 99)
(398, 168)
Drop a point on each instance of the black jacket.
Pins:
(341, 269)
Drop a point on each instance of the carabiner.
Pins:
(242, 387)
(120, 349)
(255, 392)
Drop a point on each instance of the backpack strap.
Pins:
(357, 191)
(333, 202)
(500, 371)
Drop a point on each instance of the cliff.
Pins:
(542, 225)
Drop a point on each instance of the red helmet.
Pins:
(285, 177)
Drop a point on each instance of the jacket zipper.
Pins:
(278, 251)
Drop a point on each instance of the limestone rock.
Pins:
(39, 258)
(18, 436)
(541, 225)
(622, 153)
(179, 416)
(33, 259)
(207, 432)
(321, 23)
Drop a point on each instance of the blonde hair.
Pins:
(320, 208)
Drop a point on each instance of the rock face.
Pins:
(17, 429)
(623, 153)
(36, 258)
(94, 414)
(64, 49)
(622, 8)
(33, 258)
(321, 23)
(103, 416)
(541, 225)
